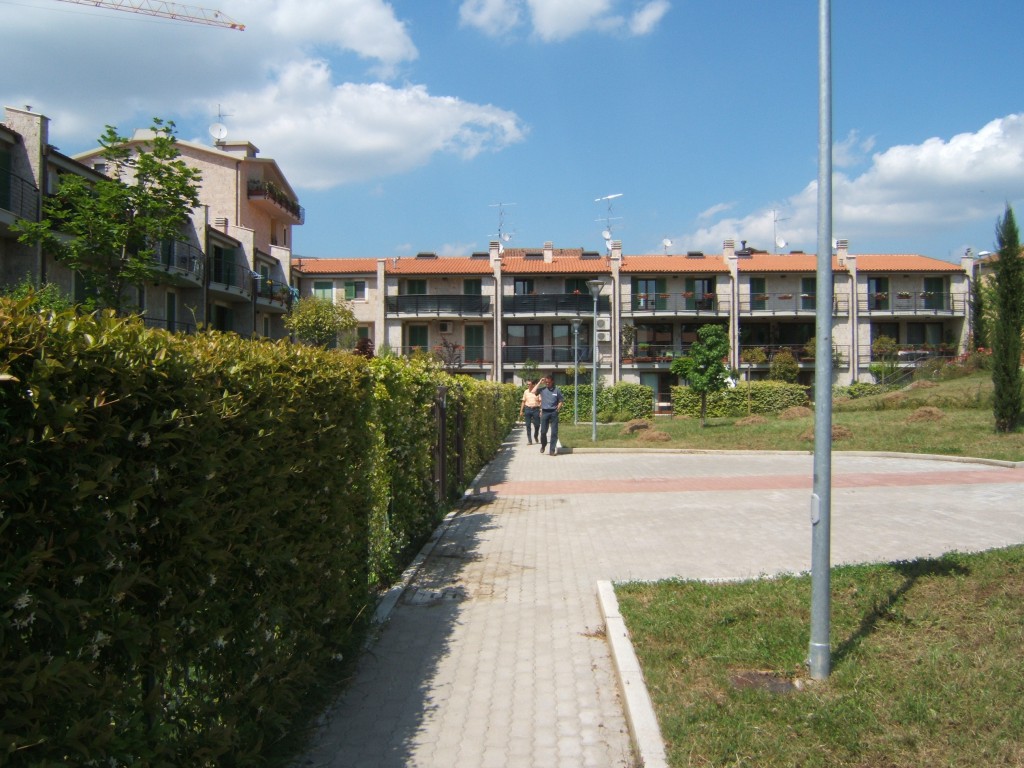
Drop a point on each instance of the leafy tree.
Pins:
(318, 322)
(109, 229)
(784, 367)
(704, 368)
(1006, 335)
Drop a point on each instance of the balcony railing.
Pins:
(438, 304)
(268, 190)
(462, 357)
(547, 353)
(760, 355)
(180, 258)
(234, 274)
(913, 302)
(785, 302)
(686, 302)
(274, 290)
(909, 354)
(175, 326)
(555, 304)
(18, 195)
(654, 353)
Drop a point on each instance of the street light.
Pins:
(576, 370)
(595, 290)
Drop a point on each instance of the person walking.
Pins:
(529, 411)
(550, 404)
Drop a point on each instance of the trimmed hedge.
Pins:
(621, 402)
(759, 396)
(191, 529)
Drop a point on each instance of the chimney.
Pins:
(842, 247)
(616, 254)
(495, 251)
(221, 223)
(549, 252)
(729, 249)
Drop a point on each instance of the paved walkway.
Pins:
(495, 655)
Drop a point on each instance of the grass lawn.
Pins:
(958, 422)
(926, 666)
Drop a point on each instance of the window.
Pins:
(474, 344)
(653, 339)
(266, 327)
(323, 289)
(924, 333)
(561, 343)
(224, 266)
(223, 318)
(416, 337)
(935, 293)
(355, 290)
(577, 284)
(472, 287)
(414, 288)
(808, 289)
(878, 293)
(758, 296)
(363, 332)
(523, 286)
(5, 179)
(524, 342)
(700, 293)
(892, 330)
(647, 293)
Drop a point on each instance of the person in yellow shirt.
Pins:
(529, 411)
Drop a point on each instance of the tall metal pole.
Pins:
(819, 656)
(576, 370)
(595, 289)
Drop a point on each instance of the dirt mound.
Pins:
(922, 384)
(796, 412)
(839, 432)
(926, 413)
(636, 425)
(893, 399)
(749, 421)
(653, 436)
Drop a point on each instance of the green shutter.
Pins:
(350, 290)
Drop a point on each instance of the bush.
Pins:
(858, 389)
(784, 367)
(760, 396)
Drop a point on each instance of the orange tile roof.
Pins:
(307, 266)
(783, 262)
(903, 262)
(705, 263)
(438, 265)
(564, 261)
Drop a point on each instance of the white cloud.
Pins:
(908, 189)
(493, 17)
(851, 150)
(556, 20)
(714, 210)
(327, 134)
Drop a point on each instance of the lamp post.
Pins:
(576, 370)
(595, 290)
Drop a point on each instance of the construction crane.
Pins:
(175, 11)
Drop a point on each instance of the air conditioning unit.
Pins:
(603, 324)
(604, 335)
(445, 326)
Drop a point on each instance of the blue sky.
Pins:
(403, 124)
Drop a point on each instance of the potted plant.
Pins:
(903, 295)
(687, 294)
(754, 356)
(785, 296)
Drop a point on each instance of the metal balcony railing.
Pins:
(790, 303)
(555, 303)
(908, 354)
(181, 258)
(913, 302)
(229, 272)
(274, 290)
(686, 302)
(760, 355)
(19, 195)
(268, 190)
(547, 353)
(175, 326)
(438, 304)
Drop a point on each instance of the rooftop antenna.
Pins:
(666, 244)
(503, 236)
(779, 242)
(608, 219)
(218, 130)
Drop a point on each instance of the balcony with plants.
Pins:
(575, 303)
(270, 194)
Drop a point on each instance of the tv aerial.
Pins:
(779, 242)
(218, 130)
(502, 236)
(666, 244)
(606, 233)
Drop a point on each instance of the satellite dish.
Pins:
(506, 237)
(667, 243)
(501, 249)
(835, 243)
(780, 243)
(218, 131)
(606, 235)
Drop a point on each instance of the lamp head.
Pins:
(595, 287)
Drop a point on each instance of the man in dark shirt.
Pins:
(550, 404)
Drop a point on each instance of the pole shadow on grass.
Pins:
(912, 571)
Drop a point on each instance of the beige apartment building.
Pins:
(504, 308)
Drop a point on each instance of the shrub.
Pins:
(858, 389)
(784, 367)
(760, 396)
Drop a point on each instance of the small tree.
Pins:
(784, 367)
(318, 322)
(108, 230)
(979, 321)
(1008, 403)
(704, 368)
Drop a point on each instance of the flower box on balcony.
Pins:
(785, 296)
(709, 295)
(881, 296)
(757, 296)
(903, 295)
(687, 294)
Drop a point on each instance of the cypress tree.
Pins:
(1006, 335)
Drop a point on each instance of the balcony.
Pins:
(19, 197)
(174, 326)
(785, 303)
(267, 193)
(274, 295)
(545, 354)
(643, 353)
(554, 304)
(912, 303)
(665, 304)
(460, 358)
(446, 305)
(230, 278)
(181, 262)
(759, 356)
(909, 355)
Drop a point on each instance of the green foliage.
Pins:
(859, 389)
(318, 321)
(1006, 336)
(762, 397)
(185, 537)
(529, 370)
(621, 402)
(979, 319)
(754, 355)
(703, 368)
(108, 229)
(48, 298)
(783, 367)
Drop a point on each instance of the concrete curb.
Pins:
(640, 717)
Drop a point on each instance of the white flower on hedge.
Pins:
(338, 657)
(25, 622)
(78, 580)
(100, 638)
(156, 474)
(219, 641)
(213, 579)
(23, 601)
(144, 440)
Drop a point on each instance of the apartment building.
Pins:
(491, 313)
(229, 270)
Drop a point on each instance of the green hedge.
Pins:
(756, 397)
(620, 402)
(191, 528)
